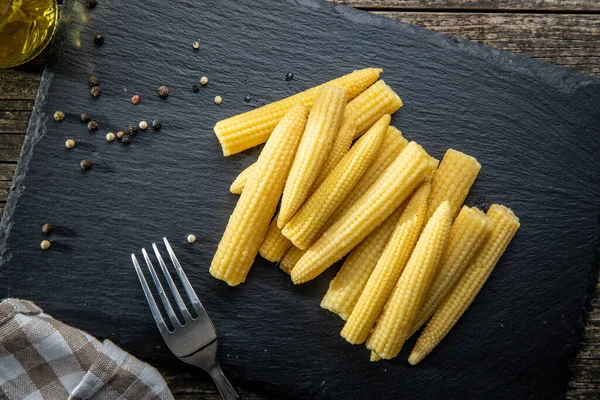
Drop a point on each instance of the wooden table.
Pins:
(563, 32)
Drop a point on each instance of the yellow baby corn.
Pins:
(238, 184)
(452, 181)
(506, 224)
(393, 143)
(397, 320)
(252, 128)
(275, 245)
(371, 104)
(304, 226)
(469, 231)
(290, 259)
(322, 125)
(389, 267)
(255, 208)
(397, 182)
(345, 289)
(339, 148)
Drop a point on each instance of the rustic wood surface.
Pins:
(563, 32)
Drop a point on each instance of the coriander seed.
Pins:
(218, 99)
(133, 130)
(136, 99)
(93, 81)
(143, 125)
(126, 139)
(85, 164)
(98, 39)
(191, 238)
(163, 91)
(70, 143)
(90, 3)
(204, 80)
(45, 245)
(110, 137)
(59, 116)
(195, 87)
(85, 117)
(93, 126)
(120, 134)
(196, 45)
(156, 124)
(96, 91)
(47, 229)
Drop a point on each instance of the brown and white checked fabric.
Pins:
(42, 358)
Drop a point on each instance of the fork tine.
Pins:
(196, 304)
(174, 291)
(160, 323)
(161, 291)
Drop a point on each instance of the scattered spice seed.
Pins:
(218, 99)
(156, 124)
(126, 139)
(69, 144)
(85, 164)
(163, 91)
(59, 116)
(247, 99)
(47, 229)
(191, 238)
(143, 125)
(93, 126)
(93, 81)
(45, 245)
(204, 80)
(98, 39)
(289, 76)
(85, 117)
(195, 87)
(196, 45)
(110, 137)
(91, 3)
(96, 91)
(120, 134)
(133, 130)
(135, 99)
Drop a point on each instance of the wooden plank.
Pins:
(10, 147)
(7, 171)
(14, 121)
(16, 105)
(478, 5)
(565, 39)
(18, 85)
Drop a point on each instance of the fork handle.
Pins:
(227, 391)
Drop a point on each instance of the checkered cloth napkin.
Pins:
(42, 358)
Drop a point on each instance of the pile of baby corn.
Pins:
(348, 183)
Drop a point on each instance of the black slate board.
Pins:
(534, 128)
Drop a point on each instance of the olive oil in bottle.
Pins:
(26, 28)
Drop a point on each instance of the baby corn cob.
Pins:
(393, 143)
(255, 208)
(469, 231)
(339, 148)
(275, 245)
(345, 289)
(238, 184)
(322, 125)
(389, 267)
(252, 128)
(452, 181)
(505, 226)
(290, 259)
(397, 320)
(304, 226)
(374, 102)
(398, 181)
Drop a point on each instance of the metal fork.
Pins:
(195, 341)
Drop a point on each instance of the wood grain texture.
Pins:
(477, 5)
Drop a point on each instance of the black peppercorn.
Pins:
(93, 81)
(47, 229)
(195, 87)
(126, 139)
(289, 76)
(91, 3)
(247, 99)
(98, 39)
(93, 126)
(156, 124)
(163, 91)
(85, 117)
(133, 130)
(85, 164)
(96, 91)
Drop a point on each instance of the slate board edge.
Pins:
(553, 75)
